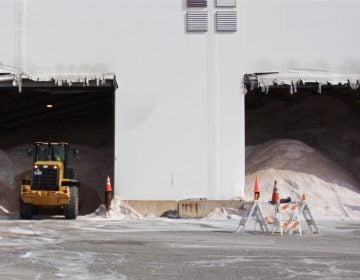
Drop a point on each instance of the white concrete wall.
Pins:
(180, 106)
(302, 34)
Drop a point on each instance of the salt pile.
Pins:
(328, 122)
(7, 173)
(333, 191)
(93, 166)
(120, 210)
(223, 213)
(3, 210)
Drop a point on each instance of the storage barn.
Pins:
(163, 82)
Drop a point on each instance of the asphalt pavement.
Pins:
(54, 248)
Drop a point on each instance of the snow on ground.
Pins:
(332, 191)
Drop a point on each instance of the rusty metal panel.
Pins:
(197, 21)
(226, 21)
(197, 3)
(199, 208)
(226, 3)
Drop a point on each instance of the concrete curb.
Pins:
(189, 208)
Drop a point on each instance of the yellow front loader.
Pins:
(52, 183)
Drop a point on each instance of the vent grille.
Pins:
(197, 3)
(45, 179)
(226, 21)
(197, 21)
(225, 3)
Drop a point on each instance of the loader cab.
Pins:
(44, 151)
(51, 152)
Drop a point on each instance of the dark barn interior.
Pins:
(75, 112)
(326, 118)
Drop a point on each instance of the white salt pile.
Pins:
(333, 192)
(120, 210)
(223, 213)
(3, 210)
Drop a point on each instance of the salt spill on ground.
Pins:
(31, 231)
(333, 192)
(120, 210)
(173, 249)
(223, 213)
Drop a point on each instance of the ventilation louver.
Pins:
(197, 3)
(225, 3)
(226, 21)
(197, 21)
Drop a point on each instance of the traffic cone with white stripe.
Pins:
(108, 194)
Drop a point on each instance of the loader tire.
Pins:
(26, 210)
(71, 210)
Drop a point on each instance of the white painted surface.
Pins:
(179, 106)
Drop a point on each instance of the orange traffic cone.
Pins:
(256, 189)
(275, 196)
(108, 194)
(108, 187)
